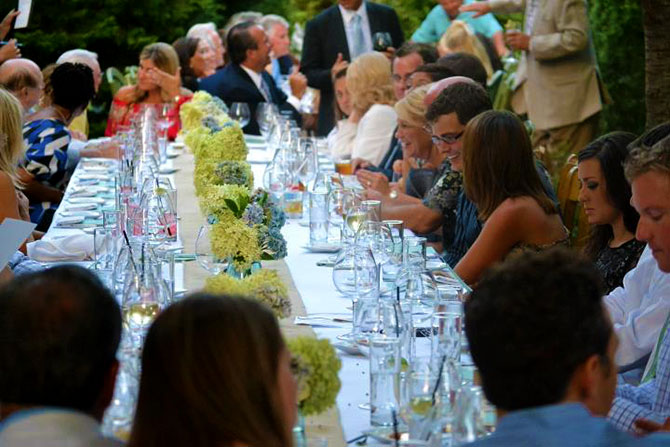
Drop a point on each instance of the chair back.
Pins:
(571, 208)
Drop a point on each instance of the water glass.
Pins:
(414, 252)
(468, 421)
(396, 230)
(384, 385)
(446, 336)
(318, 218)
(105, 243)
(373, 209)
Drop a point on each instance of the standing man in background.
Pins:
(337, 36)
(557, 83)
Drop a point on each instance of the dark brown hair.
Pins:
(498, 163)
(339, 114)
(210, 376)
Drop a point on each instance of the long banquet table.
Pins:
(310, 288)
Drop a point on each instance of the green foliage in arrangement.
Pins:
(618, 36)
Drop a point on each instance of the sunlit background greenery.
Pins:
(119, 30)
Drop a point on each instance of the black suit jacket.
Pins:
(325, 36)
(233, 84)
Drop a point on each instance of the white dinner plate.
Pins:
(81, 200)
(322, 248)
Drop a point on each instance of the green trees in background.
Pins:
(619, 39)
(119, 30)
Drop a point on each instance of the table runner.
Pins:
(324, 425)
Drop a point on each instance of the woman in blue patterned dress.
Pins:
(49, 158)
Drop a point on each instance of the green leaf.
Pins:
(232, 206)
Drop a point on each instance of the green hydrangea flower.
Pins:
(263, 285)
(317, 367)
(233, 239)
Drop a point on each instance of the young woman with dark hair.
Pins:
(500, 178)
(215, 372)
(605, 195)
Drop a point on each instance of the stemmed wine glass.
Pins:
(239, 111)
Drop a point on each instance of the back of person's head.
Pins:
(459, 38)
(239, 40)
(11, 134)
(72, 86)
(269, 21)
(202, 31)
(427, 52)
(16, 74)
(435, 71)
(610, 151)
(163, 55)
(466, 99)
(498, 163)
(532, 323)
(59, 331)
(210, 376)
(649, 152)
(78, 55)
(185, 48)
(463, 64)
(369, 81)
(411, 108)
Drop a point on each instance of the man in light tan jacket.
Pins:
(557, 82)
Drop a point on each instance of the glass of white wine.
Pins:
(355, 217)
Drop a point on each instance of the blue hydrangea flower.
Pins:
(253, 215)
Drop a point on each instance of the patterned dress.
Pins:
(614, 263)
(46, 158)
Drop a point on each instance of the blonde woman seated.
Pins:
(215, 372)
(500, 178)
(341, 137)
(13, 203)
(421, 159)
(372, 118)
(158, 82)
(459, 38)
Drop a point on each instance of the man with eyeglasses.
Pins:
(460, 100)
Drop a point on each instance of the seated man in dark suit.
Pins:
(244, 79)
(338, 35)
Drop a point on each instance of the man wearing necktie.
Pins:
(245, 78)
(337, 36)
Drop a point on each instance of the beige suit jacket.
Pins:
(561, 83)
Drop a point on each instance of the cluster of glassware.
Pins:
(409, 317)
(294, 163)
(135, 248)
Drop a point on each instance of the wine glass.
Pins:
(203, 252)
(239, 111)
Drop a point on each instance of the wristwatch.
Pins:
(393, 194)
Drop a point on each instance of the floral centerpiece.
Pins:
(264, 285)
(315, 366)
(245, 225)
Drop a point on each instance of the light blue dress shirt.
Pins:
(560, 426)
(650, 400)
(437, 21)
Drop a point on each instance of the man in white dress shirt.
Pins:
(641, 306)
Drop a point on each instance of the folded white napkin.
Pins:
(77, 247)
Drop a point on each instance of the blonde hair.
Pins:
(369, 81)
(11, 135)
(460, 38)
(412, 108)
(164, 58)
